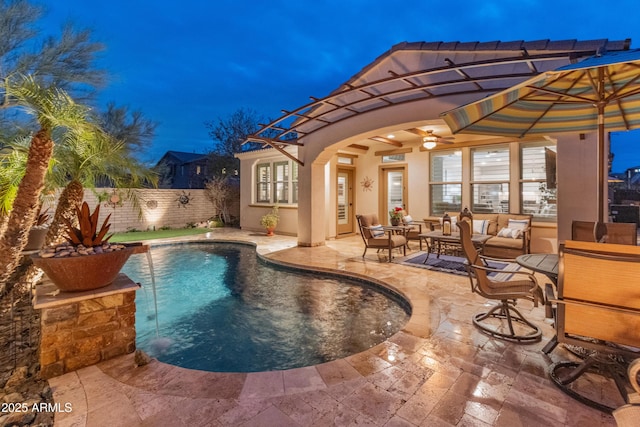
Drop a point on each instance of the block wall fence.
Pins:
(159, 207)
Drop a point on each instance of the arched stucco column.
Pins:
(313, 195)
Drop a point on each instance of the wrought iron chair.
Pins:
(623, 233)
(598, 309)
(415, 228)
(377, 237)
(511, 325)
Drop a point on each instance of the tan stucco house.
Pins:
(362, 148)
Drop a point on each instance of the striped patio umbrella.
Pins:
(598, 93)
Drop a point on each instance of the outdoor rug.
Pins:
(454, 265)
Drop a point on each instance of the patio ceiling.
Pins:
(412, 72)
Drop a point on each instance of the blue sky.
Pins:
(184, 63)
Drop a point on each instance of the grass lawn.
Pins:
(135, 236)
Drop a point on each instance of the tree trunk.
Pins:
(25, 206)
(70, 198)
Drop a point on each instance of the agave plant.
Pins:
(88, 234)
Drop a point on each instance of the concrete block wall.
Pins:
(160, 207)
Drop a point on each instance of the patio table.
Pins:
(546, 264)
(453, 239)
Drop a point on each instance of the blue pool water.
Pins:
(222, 309)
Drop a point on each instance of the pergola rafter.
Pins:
(366, 97)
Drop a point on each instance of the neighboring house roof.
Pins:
(417, 71)
(182, 157)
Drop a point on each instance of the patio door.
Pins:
(394, 191)
(344, 204)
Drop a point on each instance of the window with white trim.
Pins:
(263, 183)
(538, 180)
(446, 182)
(277, 182)
(490, 179)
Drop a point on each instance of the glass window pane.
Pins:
(490, 164)
(538, 180)
(281, 181)
(445, 198)
(538, 200)
(446, 166)
(489, 198)
(294, 182)
(263, 183)
(393, 158)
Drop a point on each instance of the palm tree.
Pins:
(81, 161)
(53, 109)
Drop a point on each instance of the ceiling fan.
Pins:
(430, 139)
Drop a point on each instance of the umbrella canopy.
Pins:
(599, 92)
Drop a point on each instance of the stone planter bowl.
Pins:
(84, 273)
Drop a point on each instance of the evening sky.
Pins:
(184, 63)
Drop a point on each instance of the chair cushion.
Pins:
(369, 220)
(383, 242)
(505, 242)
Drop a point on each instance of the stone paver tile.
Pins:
(263, 384)
(340, 416)
(420, 405)
(68, 389)
(118, 411)
(245, 410)
(298, 410)
(344, 389)
(367, 363)
(450, 408)
(75, 420)
(337, 371)
(302, 380)
(374, 402)
(194, 411)
(469, 421)
(486, 413)
(396, 421)
(271, 416)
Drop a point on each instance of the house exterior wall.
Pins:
(159, 208)
(344, 125)
(251, 212)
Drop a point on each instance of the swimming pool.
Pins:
(221, 308)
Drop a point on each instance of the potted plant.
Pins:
(396, 215)
(87, 261)
(38, 232)
(270, 221)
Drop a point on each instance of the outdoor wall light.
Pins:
(429, 142)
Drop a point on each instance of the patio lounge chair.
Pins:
(415, 228)
(598, 308)
(622, 233)
(511, 324)
(375, 236)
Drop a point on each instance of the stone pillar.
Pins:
(80, 329)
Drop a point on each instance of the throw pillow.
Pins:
(480, 226)
(377, 231)
(510, 232)
(407, 220)
(518, 224)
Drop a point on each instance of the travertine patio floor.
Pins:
(438, 371)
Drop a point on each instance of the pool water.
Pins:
(222, 309)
